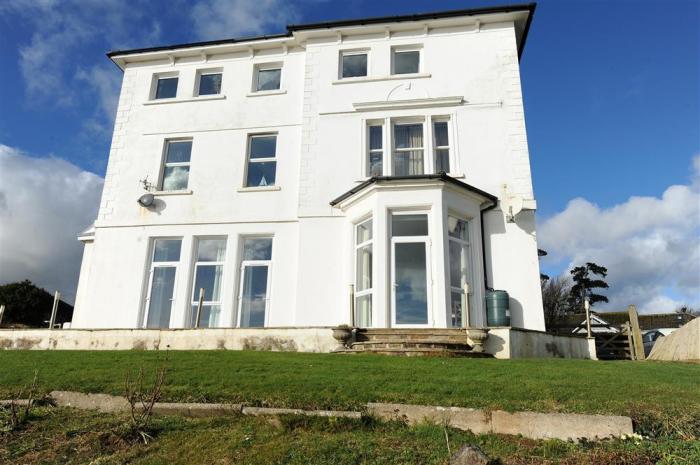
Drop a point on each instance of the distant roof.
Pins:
(528, 7)
(646, 322)
(440, 176)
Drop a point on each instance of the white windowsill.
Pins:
(261, 93)
(200, 98)
(259, 189)
(180, 192)
(392, 77)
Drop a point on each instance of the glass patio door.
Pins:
(409, 270)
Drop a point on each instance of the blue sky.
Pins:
(611, 91)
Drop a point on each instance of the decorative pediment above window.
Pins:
(409, 103)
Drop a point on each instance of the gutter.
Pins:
(493, 205)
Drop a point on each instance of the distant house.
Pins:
(610, 322)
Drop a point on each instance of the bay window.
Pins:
(460, 271)
(363, 274)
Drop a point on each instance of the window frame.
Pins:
(154, 85)
(152, 265)
(267, 66)
(368, 150)
(427, 241)
(249, 146)
(369, 291)
(208, 72)
(241, 278)
(353, 52)
(194, 301)
(465, 245)
(406, 48)
(450, 144)
(427, 168)
(164, 163)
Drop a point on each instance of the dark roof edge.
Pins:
(196, 44)
(440, 176)
(413, 17)
(530, 7)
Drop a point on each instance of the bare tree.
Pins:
(142, 402)
(555, 293)
(18, 415)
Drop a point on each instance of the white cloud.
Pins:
(650, 245)
(216, 19)
(44, 204)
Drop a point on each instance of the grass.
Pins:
(56, 435)
(347, 382)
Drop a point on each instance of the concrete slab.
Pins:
(102, 402)
(560, 425)
(476, 421)
(197, 410)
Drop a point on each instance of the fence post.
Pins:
(636, 333)
(199, 307)
(2, 312)
(465, 309)
(54, 309)
(587, 307)
(352, 306)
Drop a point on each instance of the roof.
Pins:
(528, 7)
(390, 179)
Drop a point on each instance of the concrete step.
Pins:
(385, 334)
(418, 352)
(416, 344)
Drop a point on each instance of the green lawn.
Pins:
(65, 436)
(347, 382)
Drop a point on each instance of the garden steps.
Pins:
(410, 342)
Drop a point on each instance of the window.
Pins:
(255, 282)
(267, 77)
(375, 151)
(166, 87)
(363, 274)
(209, 83)
(441, 143)
(409, 269)
(176, 168)
(159, 300)
(262, 163)
(460, 265)
(208, 271)
(405, 61)
(408, 149)
(353, 64)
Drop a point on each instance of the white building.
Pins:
(299, 179)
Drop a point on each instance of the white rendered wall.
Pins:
(320, 148)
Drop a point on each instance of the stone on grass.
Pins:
(469, 455)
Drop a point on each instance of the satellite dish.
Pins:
(511, 204)
(146, 200)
